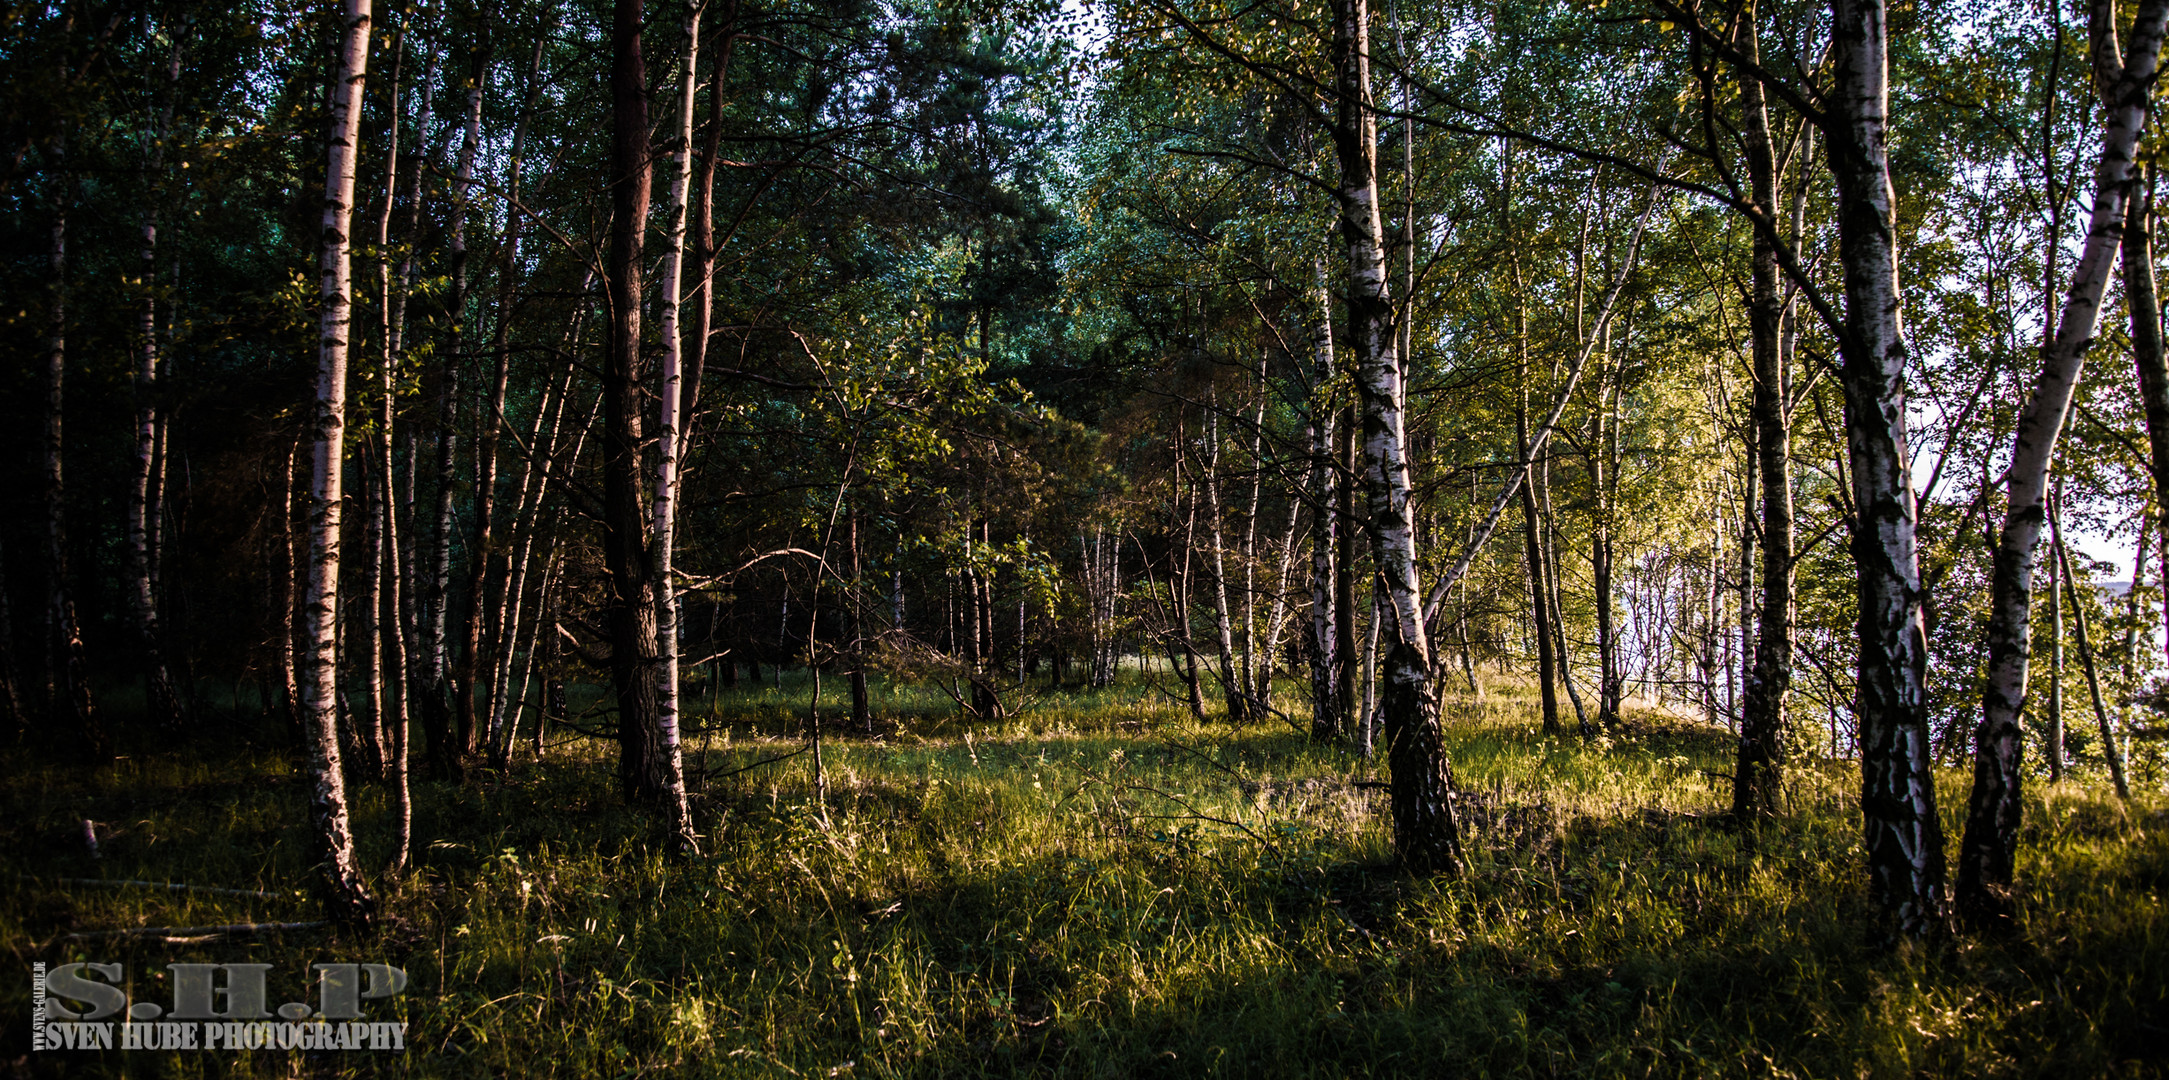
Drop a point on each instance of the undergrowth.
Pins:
(1100, 887)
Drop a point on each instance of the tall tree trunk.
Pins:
(407, 607)
(862, 716)
(1532, 534)
(378, 677)
(1990, 848)
(646, 751)
(1178, 585)
(12, 713)
(704, 239)
(1758, 775)
(160, 697)
(1346, 553)
(1255, 691)
(2053, 748)
(1600, 560)
(1903, 838)
(1231, 691)
(369, 720)
(446, 745)
(2147, 352)
(396, 721)
(74, 709)
(2110, 754)
(1552, 544)
(396, 622)
(288, 591)
(1426, 835)
(1327, 721)
(510, 596)
(377, 711)
(347, 898)
(459, 667)
(1276, 613)
(487, 570)
(668, 446)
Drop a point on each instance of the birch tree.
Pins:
(1425, 832)
(2123, 79)
(1903, 838)
(146, 475)
(669, 443)
(347, 898)
(647, 749)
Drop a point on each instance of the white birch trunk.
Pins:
(1426, 835)
(1902, 835)
(160, 697)
(347, 898)
(1988, 852)
(1326, 721)
(668, 446)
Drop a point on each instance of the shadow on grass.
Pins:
(1053, 898)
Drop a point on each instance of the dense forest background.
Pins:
(439, 388)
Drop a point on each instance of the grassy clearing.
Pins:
(1099, 888)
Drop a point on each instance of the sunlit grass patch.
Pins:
(1116, 893)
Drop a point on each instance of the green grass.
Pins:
(1051, 897)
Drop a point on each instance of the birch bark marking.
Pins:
(670, 757)
(1424, 830)
(1902, 836)
(347, 899)
(1989, 849)
(287, 588)
(1326, 720)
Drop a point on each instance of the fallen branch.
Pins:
(116, 882)
(172, 932)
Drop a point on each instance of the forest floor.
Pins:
(1099, 887)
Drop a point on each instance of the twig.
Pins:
(1194, 813)
(1207, 759)
(706, 776)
